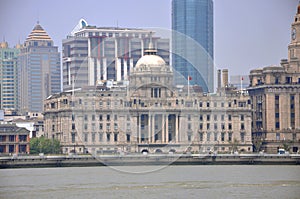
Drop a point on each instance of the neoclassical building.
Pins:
(149, 114)
(275, 94)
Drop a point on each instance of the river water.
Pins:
(216, 181)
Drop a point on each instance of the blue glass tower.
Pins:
(192, 42)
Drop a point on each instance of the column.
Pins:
(139, 129)
(149, 128)
(167, 128)
(176, 128)
(153, 128)
(163, 128)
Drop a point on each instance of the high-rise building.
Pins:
(192, 42)
(8, 77)
(39, 70)
(275, 95)
(95, 54)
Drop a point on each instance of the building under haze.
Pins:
(275, 94)
(92, 55)
(39, 70)
(149, 115)
(8, 77)
(192, 42)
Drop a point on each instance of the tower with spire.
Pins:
(39, 70)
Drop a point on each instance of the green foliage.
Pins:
(44, 145)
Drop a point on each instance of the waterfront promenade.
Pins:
(147, 159)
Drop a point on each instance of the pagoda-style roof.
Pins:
(38, 33)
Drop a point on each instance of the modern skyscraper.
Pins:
(93, 54)
(39, 70)
(192, 41)
(8, 77)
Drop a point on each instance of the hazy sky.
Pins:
(247, 33)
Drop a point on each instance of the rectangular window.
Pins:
(100, 126)
(242, 117)
(277, 136)
(100, 117)
(242, 137)
(229, 137)
(229, 117)
(115, 117)
(215, 126)
(229, 126)
(85, 126)
(85, 117)
(93, 127)
(215, 117)
(115, 137)
(93, 137)
(208, 126)
(215, 136)
(200, 137)
(200, 126)
(128, 137)
(208, 136)
(115, 126)
(73, 126)
(108, 137)
(108, 117)
(242, 126)
(73, 137)
(189, 117)
(85, 137)
(207, 117)
(189, 126)
(108, 126)
(222, 117)
(100, 137)
(93, 117)
(200, 117)
(222, 137)
(207, 104)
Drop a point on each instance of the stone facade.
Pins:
(275, 95)
(149, 115)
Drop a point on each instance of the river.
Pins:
(217, 181)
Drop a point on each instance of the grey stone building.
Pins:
(149, 115)
(275, 94)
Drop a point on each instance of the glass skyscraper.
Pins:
(8, 77)
(39, 70)
(192, 42)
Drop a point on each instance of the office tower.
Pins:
(39, 70)
(92, 55)
(192, 42)
(8, 77)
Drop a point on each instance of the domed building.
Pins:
(150, 114)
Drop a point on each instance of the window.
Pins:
(85, 117)
(200, 137)
(85, 137)
(115, 126)
(222, 137)
(93, 117)
(108, 117)
(100, 137)
(215, 104)
(128, 137)
(277, 136)
(200, 117)
(242, 126)
(116, 137)
(229, 104)
(229, 117)
(208, 126)
(242, 117)
(108, 137)
(73, 137)
(222, 117)
(200, 104)
(229, 137)
(100, 117)
(100, 126)
(208, 136)
(242, 137)
(200, 126)
(189, 137)
(73, 126)
(229, 126)
(108, 126)
(215, 136)
(215, 117)
(189, 126)
(85, 126)
(115, 117)
(215, 126)
(93, 137)
(208, 117)
(73, 117)
(189, 117)
(93, 127)
(207, 104)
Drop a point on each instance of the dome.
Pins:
(150, 61)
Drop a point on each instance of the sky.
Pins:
(248, 34)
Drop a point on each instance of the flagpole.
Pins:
(241, 85)
(188, 86)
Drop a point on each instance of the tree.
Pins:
(44, 145)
